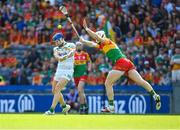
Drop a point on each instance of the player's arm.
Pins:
(71, 53)
(88, 43)
(92, 33)
(58, 57)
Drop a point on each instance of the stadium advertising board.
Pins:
(134, 104)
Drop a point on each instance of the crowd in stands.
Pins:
(147, 31)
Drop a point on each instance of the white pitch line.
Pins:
(87, 129)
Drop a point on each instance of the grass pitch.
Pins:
(89, 122)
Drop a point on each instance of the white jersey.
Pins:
(65, 68)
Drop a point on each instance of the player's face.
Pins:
(59, 42)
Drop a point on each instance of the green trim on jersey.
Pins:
(115, 54)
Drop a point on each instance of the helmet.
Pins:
(78, 43)
(79, 46)
(101, 34)
(57, 37)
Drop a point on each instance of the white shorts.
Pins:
(67, 74)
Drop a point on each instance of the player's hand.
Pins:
(71, 53)
(81, 40)
(85, 24)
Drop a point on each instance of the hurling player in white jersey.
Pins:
(64, 54)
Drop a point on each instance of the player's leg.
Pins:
(136, 77)
(60, 85)
(82, 97)
(55, 99)
(112, 77)
(58, 97)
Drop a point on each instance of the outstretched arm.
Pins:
(88, 43)
(92, 33)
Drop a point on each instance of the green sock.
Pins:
(152, 92)
(64, 105)
(81, 106)
(85, 105)
(51, 109)
(111, 102)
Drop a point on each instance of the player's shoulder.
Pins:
(71, 44)
(85, 53)
(107, 40)
(55, 48)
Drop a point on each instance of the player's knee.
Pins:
(108, 83)
(80, 92)
(57, 90)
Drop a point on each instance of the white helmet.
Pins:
(78, 43)
(101, 34)
(79, 46)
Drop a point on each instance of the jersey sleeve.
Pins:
(72, 45)
(54, 49)
(55, 52)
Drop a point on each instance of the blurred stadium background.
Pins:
(148, 32)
